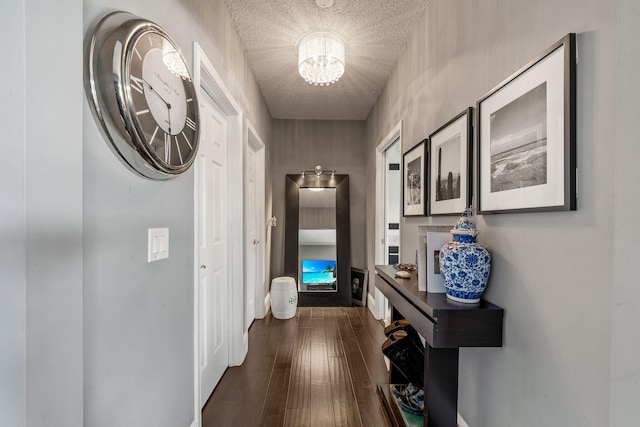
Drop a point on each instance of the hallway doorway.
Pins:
(388, 212)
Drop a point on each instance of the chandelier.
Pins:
(321, 57)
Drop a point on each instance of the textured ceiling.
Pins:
(376, 32)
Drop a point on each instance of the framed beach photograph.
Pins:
(413, 180)
(359, 279)
(527, 136)
(449, 173)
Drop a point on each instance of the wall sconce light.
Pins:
(319, 171)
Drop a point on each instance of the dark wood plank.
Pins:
(321, 400)
(364, 383)
(273, 412)
(303, 314)
(371, 411)
(374, 327)
(317, 312)
(371, 351)
(351, 348)
(300, 382)
(297, 417)
(239, 396)
(345, 406)
(332, 334)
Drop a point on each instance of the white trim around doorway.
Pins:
(375, 300)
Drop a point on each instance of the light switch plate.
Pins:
(158, 244)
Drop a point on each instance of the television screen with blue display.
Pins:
(318, 271)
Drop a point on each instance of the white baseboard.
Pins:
(371, 303)
(461, 421)
(267, 303)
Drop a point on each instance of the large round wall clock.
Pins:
(142, 95)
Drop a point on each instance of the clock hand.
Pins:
(169, 114)
(163, 100)
(157, 93)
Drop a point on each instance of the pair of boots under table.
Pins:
(405, 350)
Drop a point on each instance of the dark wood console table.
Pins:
(446, 326)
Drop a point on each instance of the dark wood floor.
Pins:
(317, 369)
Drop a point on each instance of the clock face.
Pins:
(142, 95)
(162, 104)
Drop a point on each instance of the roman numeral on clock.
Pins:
(191, 123)
(137, 84)
(179, 152)
(187, 140)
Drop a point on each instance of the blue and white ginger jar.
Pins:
(464, 264)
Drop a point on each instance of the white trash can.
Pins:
(284, 297)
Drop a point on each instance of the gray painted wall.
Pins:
(53, 183)
(41, 215)
(625, 327)
(301, 145)
(138, 316)
(13, 363)
(91, 334)
(552, 272)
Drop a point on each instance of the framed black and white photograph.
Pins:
(449, 173)
(413, 181)
(359, 279)
(526, 137)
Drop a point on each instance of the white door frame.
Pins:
(255, 143)
(206, 77)
(375, 302)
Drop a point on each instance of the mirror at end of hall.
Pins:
(317, 254)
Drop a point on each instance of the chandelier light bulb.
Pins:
(173, 61)
(321, 57)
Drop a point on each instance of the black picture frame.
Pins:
(414, 162)
(526, 135)
(359, 286)
(451, 146)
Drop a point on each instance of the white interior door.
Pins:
(252, 238)
(255, 228)
(213, 241)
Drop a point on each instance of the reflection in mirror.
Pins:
(317, 255)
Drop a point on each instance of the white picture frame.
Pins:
(429, 238)
(527, 137)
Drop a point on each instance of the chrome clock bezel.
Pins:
(108, 53)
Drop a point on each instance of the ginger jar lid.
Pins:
(465, 226)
